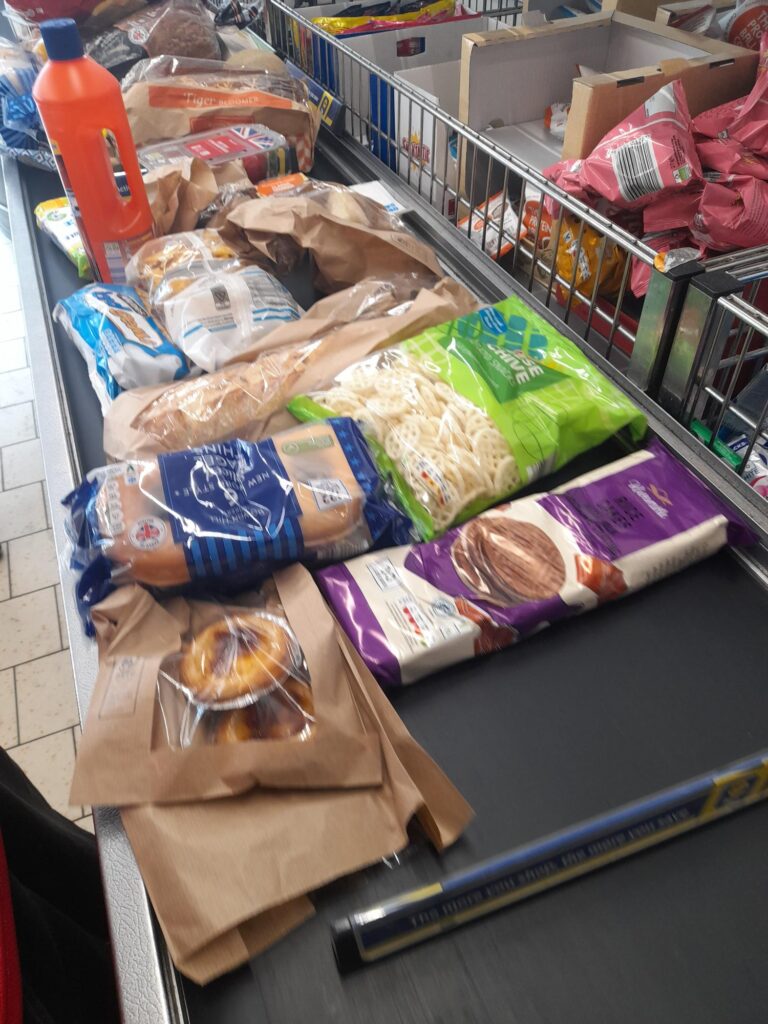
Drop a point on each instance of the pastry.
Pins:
(235, 657)
(282, 714)
(288, 711)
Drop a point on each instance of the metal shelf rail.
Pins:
(711, 349)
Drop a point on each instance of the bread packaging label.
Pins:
(521, 566)
(197, 700)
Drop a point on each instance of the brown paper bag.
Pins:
(292, 843)
(179, 193)
(247, 400)
(350, 237)
(126, 755)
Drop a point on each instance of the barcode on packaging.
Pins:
(636, 170)
(113, 252)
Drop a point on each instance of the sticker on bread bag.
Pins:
(328, 493)
(147, 533)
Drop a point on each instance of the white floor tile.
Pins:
(15, 387)
(62, 619)
(12, 325)
(5, 582)
(8, 732)
(17, 423)
(45, 696)
(13, 355)
(86, 823)
(22, 511)
(49, 763)
(9, 298)
(22, 463)
(33, 564)
(29, 627)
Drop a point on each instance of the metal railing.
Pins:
(579, 263)
(591, 273)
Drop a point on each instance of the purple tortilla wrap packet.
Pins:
(523, 565)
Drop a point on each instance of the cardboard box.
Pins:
(509, 77)
(427, 147)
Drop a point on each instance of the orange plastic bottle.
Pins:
(84, 117)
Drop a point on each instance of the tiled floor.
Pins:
(38, 713)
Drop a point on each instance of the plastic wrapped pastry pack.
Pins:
(230, 514)
(466, 413)
(122, 344)
(163, 267)
(524, 565)
(240, 675)
(219, 316)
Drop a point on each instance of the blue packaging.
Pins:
(227, 515)
(123, 345)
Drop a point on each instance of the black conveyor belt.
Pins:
(581, 718)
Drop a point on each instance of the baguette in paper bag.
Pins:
(247, 399)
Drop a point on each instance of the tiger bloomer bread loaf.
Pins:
(229, 514)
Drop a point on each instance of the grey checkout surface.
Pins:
(582, 718)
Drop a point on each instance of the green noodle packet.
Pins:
(54, 217)
(466, 413)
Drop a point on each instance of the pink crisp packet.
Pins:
(728, 156)
(565, 174)
(673, 211)
(732, 216)
(652, 151)
(744, 119)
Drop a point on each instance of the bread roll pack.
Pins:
(204, 699)
(292, 842)
(349, 236)
(246, 400)
(225, 516)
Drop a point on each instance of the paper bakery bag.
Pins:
(293, 842)
(349, 236)
(174, 717)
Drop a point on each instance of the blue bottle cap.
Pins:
(62, 39)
